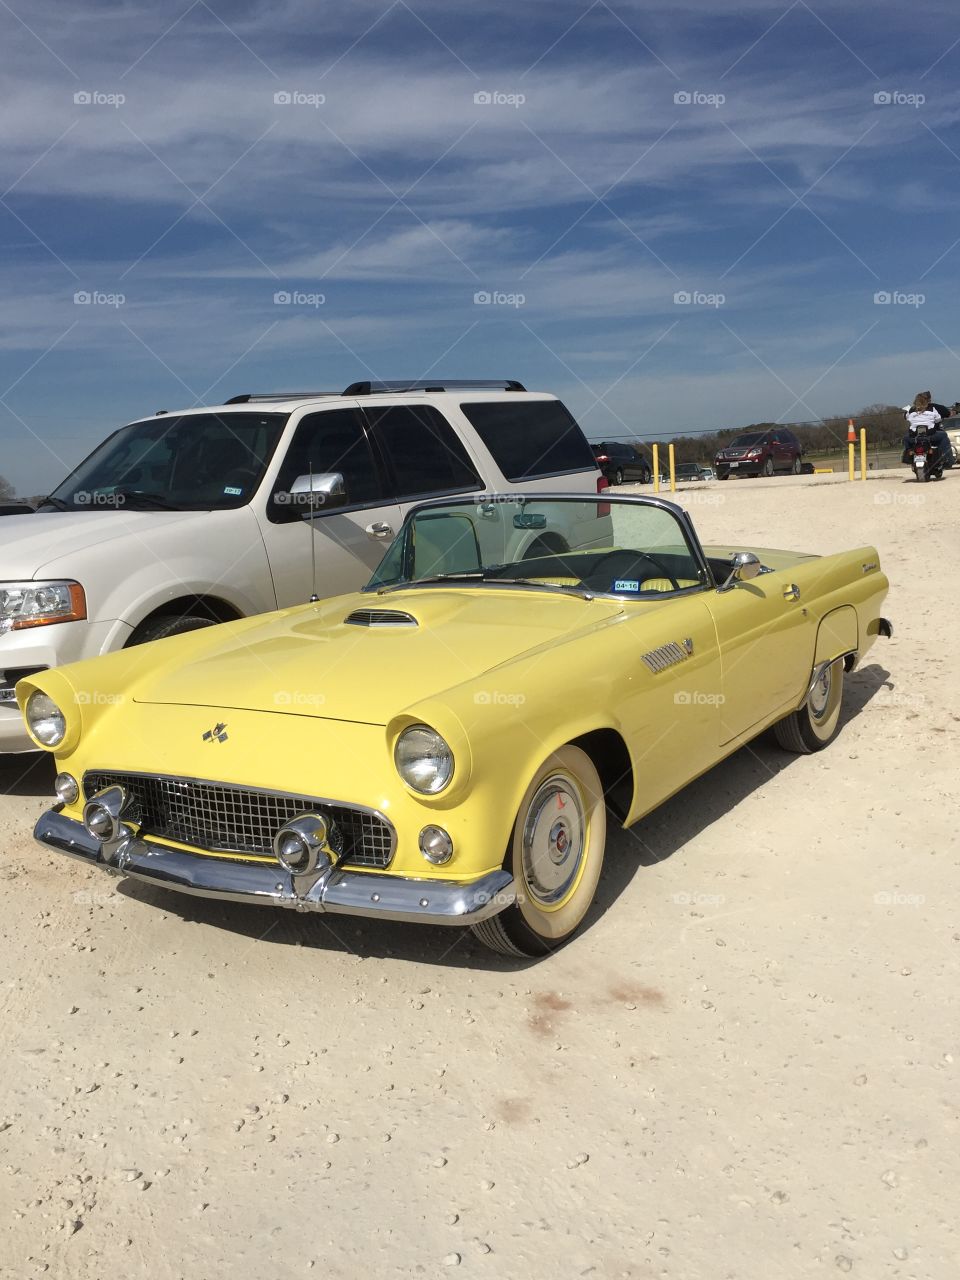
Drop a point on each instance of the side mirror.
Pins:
(323, 490)
(744, 565)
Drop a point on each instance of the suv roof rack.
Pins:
(438, 384)
(278, 395)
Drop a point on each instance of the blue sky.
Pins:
(682, 213)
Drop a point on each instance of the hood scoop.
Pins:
(380, 618)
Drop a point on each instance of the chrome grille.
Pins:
(227, 819)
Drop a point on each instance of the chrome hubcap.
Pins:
(553, 840)
(819, 698)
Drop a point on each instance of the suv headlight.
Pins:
(423, 759)
(37, 604)
(45, 720)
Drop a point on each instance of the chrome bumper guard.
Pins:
(338, 891)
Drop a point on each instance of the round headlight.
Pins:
(423, 759)
(67, 788)
(45, 720)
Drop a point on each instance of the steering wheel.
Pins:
(632, 558)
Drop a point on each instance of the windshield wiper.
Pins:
(151, 499)
(58, 504)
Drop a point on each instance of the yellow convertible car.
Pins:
(444, 746)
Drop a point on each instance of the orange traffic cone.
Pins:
(851, 432)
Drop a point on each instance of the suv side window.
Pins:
(333, 440)
(539, 438)
(422, 450)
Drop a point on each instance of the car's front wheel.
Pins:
(768, 467)
(618, 476)
(555, 857)
(817, 722)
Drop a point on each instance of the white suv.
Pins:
(200, 516)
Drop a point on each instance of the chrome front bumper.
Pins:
(348, 893)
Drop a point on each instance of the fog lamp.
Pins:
(67, 788)
(436, 845)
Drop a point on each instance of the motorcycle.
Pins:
(925, 457)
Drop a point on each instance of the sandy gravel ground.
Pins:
(745, 1069)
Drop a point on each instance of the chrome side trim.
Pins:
(668, 655)
(354, 893)
(819, 669)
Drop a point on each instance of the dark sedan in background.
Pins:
(621, 463)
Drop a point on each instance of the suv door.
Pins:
(349, 540)
(424, 456)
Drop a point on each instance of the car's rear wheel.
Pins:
(555, 857)
(618, 476)
(768, 467)
(817, 722)
(796, 466)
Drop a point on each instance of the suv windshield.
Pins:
(200, 461)
(632, 547)
(743, 442)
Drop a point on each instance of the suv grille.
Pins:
(226, 819)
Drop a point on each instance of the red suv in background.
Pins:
(760, 453)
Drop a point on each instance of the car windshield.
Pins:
(743, 442)
(636, 548)
(199, 461)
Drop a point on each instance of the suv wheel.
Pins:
(796, 465)
(618, 476)
(768, 467)
(161, 628)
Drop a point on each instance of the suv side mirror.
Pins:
(743, 566)
(324, 490)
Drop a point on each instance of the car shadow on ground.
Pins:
(657, 837)
(30, 774)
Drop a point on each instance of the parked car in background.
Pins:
(690, 471)
(15, 509)
(202, 516)
(443, 747)
(760, 453)
(621, 463)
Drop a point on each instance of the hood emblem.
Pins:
(217, 734)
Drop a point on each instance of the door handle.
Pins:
(792, 592)
(379, 529)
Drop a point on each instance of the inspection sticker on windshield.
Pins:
(626, 584)
(231, 492)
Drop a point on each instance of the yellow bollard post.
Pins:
(673, 469)
(851, 447)
(656, 468)
(863, 453)
(850, 462)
